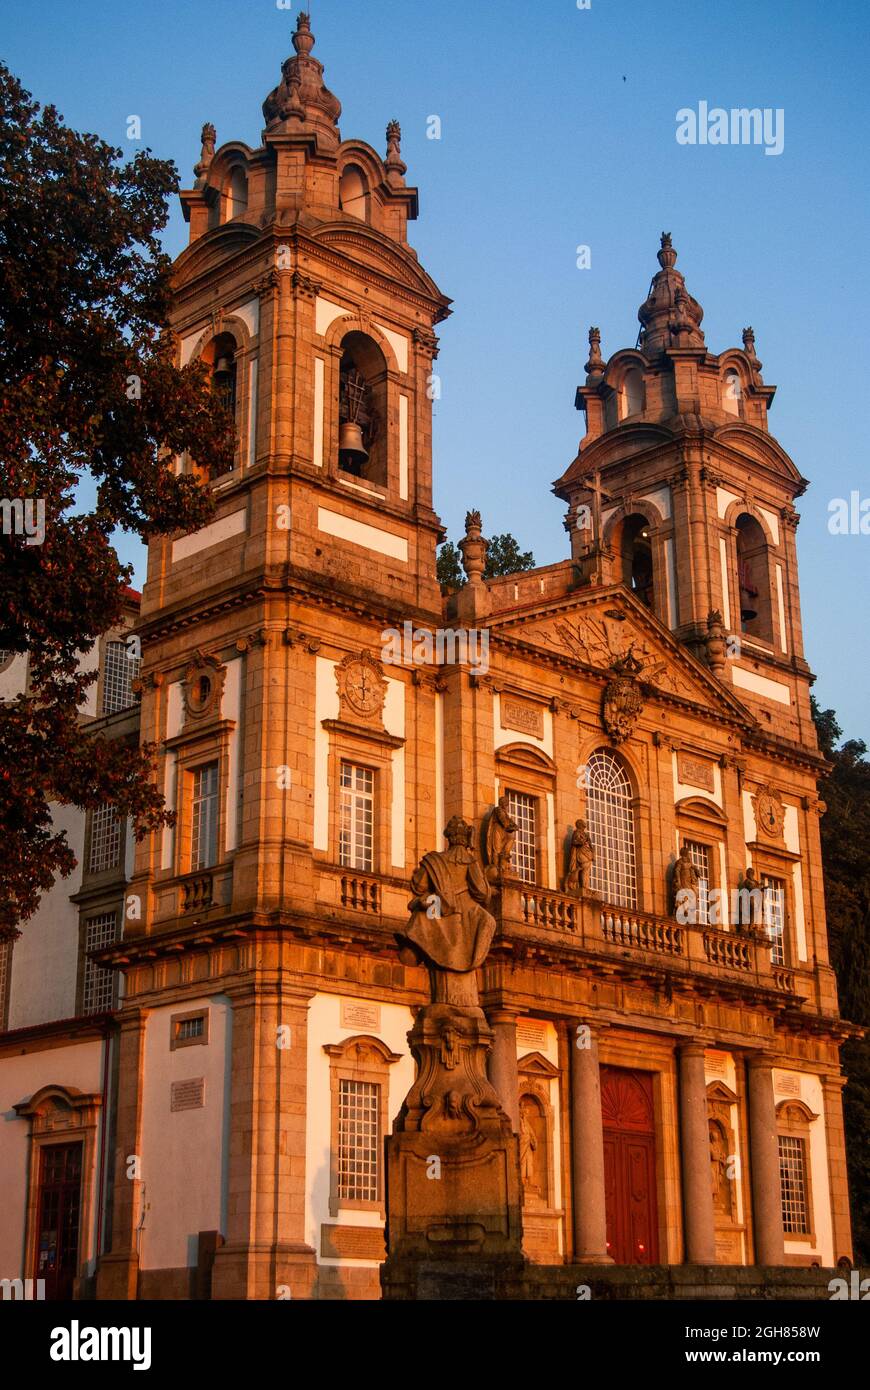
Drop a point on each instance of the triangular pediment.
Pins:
(594, 629)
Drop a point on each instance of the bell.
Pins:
(351, 448)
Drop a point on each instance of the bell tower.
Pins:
(680, 492)
(299, 291)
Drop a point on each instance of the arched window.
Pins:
(732, 393)
(236, 193)
(753, 579)
(631, 393)
(353, 192)
(610, 822)
(362, 409)
(636, 560)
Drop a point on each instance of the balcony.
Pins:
(647, 938)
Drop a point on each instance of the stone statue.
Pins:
(751, 916)
(449, 927)
(501, 833)
(528, 1145)
(684, 880)
(719, 1167)
(581, 857)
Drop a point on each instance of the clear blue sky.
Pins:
(559, 130)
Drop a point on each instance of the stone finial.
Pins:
(669, 316)
(595, 365)
(717, 647)
(394, 163)
(303, 39)
(473, 600)
(667, 256)
(208, 138)
(302, 94)
(749, 349)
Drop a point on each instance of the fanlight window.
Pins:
(610, 821)
(236, 195)
(353, 192)
(732, 393)
(631, 393)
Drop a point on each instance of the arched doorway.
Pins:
(629, 1166)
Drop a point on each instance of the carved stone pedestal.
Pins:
(453, 1177)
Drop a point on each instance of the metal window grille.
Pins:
(358, 1141)
(524, 858)
(120, 669)
(610, 822)
(357, 826)
(5, 978)
(190, 1028)
(774, 916)
(700, 857)
(98, 991)
(204, 825)
(105, 843)
(793, 1181)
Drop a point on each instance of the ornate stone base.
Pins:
(453, 1179)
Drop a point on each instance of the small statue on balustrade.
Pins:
(581, 857)
(501, 834)
(684, 887)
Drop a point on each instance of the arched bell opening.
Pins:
(753, 579)
(634, 548)
(362, 409)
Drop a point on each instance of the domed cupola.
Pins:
(302, 100)
(669, 316)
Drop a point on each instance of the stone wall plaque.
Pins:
(524, 718)
(365, 1017)
(532, 1032)
(786, 1083)
(187, 1095)
(352, 1242)
(716, 1063)
(695, 772)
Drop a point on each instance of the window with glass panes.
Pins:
(793, 1184)
(120, 669)
(204, 817)
(774, 916)
(700, 857)
(610, 823)
(524, 857)
(356, 849)
(358, 1141)
(99, 985)
(105, 841)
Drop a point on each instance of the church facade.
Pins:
(627, 733)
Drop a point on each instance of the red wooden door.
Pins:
(58, 1218)
(629, 1166)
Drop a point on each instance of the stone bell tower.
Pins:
(315, 319)
(300, 294)
(680, 491)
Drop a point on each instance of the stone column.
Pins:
(503, 1063)
(764, 1163)
(265, 1236)
(587, 1152)
(698, 1216)
(118, 1269)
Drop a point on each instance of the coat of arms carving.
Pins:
(622, 702)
